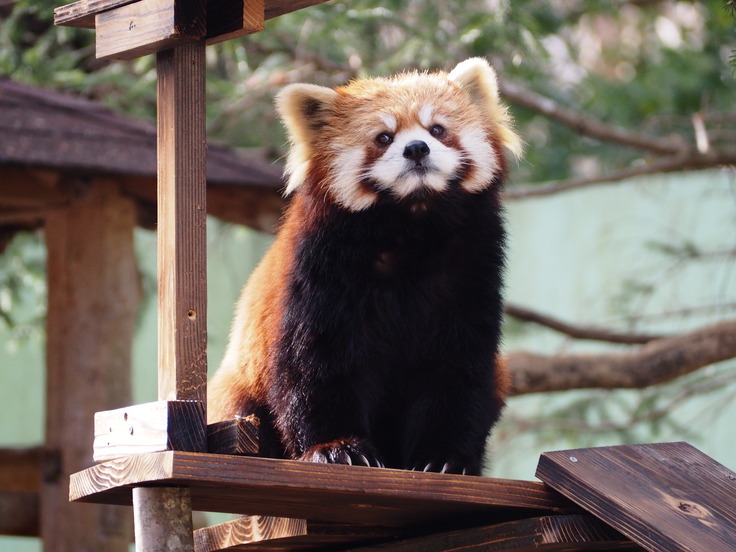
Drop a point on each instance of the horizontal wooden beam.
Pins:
(254, 533)
(21, 471)
(148, 26)
(82, 13)
(568, 533)
(19, 514)
(335, 493)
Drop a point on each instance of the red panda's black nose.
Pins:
(416, 150)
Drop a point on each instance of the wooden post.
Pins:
(171, 529)
(182, 220)
(93, 296)
(163, 516)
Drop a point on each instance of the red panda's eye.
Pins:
(384, 139)
(438, 131)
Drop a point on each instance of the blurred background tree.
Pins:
(601, 91)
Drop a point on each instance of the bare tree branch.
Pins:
(587, 125)
(656, 362)
(691, 160)
(578, 332)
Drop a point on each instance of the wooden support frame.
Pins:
(148, 26)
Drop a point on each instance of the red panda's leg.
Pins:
(450, 420)
(323, 419)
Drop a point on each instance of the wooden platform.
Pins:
(321, 492)
(659, 498)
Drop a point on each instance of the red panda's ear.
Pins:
(478, 78)
(304, 109)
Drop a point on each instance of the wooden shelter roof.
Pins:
(45, 136)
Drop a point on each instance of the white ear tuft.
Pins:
(478, 78)
(305, 110)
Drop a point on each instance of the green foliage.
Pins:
(23, 287)
(610, 59)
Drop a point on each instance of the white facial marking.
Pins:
(401, 176)
(389, 121)
(347, 173)
(425, 115)
(480, 152)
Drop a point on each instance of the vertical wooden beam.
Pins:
(182, 210)
(163, 516)
(93, 296)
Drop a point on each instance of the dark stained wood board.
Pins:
(334, 493)
(568, 533)
(668, 497)
(82, 13)
(565, 533)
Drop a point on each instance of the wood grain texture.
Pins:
(668, 497)
(148, 26)
(182, 218)
(82, 13)
(332, 493)
(261, 533)
(569, 533)
(150, 427)
(239, 436)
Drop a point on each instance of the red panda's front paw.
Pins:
(343, 451)
(454, 466)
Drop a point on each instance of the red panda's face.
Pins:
(395, 137)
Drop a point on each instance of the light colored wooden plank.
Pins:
(93, 296)
(668, 497)
(151, 427)
(261, 533)
(334, 493)
(247, 530)
(148, 26)
(182, 211)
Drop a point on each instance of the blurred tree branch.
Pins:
(659, 361)
(577, 331)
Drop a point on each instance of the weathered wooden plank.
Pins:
(82, 13)
(148, 26)
(571, 533)
(668, 497)
(150, 427)
(93, 295)
(182, 219)
(238, 436)
(332, 493)
(233, 18)
(273, 533)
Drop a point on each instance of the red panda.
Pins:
(369, 333)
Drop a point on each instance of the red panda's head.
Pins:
(399, 135)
